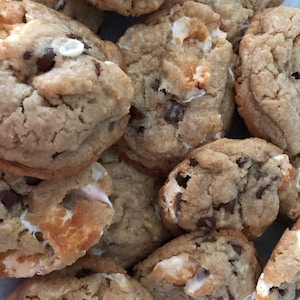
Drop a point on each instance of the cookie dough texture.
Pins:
(235, 24)
(64, 97)
(198, 265)
(80, 10)
(179, 64)
(280, 277)
(128, 7)
(90, 278)
(227, 184)
(47, 225)
(136, 229)
(267, 77)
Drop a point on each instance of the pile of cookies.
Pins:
(125, 173)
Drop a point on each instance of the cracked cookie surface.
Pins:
(227, 184)
(179, 65)
(267, 77)
(64, 99)
(215, 265)
(46, 225)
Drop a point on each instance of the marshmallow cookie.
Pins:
(64, 98)
(215, 265)
(136, 228)
(46, 225)
(179, 65)
(267, 77)
(80, 10)
(235, 24)
(90, 278)
(128, 7)
(280, 279)
(227, 183)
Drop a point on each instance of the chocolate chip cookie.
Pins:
(215, 265)
(136, 229)
(227, 183)
(64, 97)
(180, 68)
(280, 277)
(91, 277)
(267, 77)
(46, 225)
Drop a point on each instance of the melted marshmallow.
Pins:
(262, 287)
(71, 48)
(180, 30)
(196, 282)
(31, 228)
(94, 192)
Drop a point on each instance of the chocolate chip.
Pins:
(83, 273)
(228, 207)
(182, 181)
(32, 180)
(141, 130)
(243, 161)
(297, 293)
(1, 221)
(178, 199)
(46, 62)
(296, 75)
(27, 55)
(259, 174)
(230, 296)
(8, 198)
(136, 113)
(206, 222)
(155, 85)
(261, 190)
(193, 162)
(237, 248)
(78, 38)
(174, 112)
(39, 236)
(207, 238)
(97, 69)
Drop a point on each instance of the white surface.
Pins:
(263, 245)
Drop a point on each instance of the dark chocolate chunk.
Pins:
(207, 238)
(182, 181)
(39, 236)
(136, 113)
(97, 69)
(261, 190)
(27, 55)
(174, 112)
(8, 198)
(237, 248)
(178, 199)
(228, 207)
(296, 75)
(243, 161)
(259, 174)
(193, 162)
(46, 62)
(206, 222)
(155, 85)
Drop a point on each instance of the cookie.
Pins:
(280, 277)
(234, 24)
(227, 183)
(267, 77)
(91, 277)
(179, 65)
(216, 265)
(136, 229)
(64, 99)
(46, 225)
(80, 10)
(128, 8)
